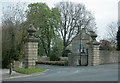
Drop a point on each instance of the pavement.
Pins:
(107, 72)
(5, 74)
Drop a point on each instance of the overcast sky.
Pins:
(105, 11)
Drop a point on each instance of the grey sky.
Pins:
(105, 11)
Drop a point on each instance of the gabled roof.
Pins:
(84, 35)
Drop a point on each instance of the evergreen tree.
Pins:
(118, 39)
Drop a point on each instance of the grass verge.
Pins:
(29, 70)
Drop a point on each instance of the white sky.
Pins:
(105, 11)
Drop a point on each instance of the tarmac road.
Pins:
(81, 73)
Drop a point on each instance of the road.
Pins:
(60, 73)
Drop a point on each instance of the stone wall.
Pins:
(107, 57)
(73, 59)
(17, 64)
(63, 58)
(43, 58)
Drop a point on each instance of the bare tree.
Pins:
(112, 31)
(74, 17)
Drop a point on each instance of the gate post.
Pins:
(31, 48)
(93, 59)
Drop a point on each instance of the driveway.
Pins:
(81, 73)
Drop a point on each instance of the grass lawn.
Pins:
(29, 70)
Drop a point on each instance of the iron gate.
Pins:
(84, 58)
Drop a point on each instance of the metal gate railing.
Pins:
(84, 58)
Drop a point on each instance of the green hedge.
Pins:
(59, 63)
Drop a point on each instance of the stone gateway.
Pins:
(85, 49)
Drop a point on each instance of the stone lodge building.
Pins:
(79, 43)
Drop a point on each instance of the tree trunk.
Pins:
(63, 52)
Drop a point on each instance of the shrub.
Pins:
(54, 58)
(66, 52)
(60, 63)
(66, 63)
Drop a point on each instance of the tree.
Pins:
(111, 34)
(106, 45)
(118, 39)
(74, 17)
(12, 33)
(46, 20)
(112, 31)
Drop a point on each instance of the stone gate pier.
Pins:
(31, 48)
(93, 46)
